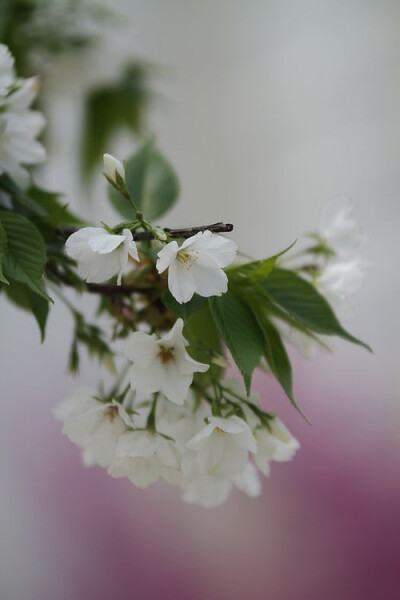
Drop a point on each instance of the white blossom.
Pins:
(143, 457)
(338, 228)
(100, 254)
(93, 426)
(113, 169)
(222, 446)
(162, 364)
(248, 481)
(339, 279)
(201, 488)
(275, 443)
(19, 126)
(197, 265)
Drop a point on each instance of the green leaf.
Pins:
(21, 201)
(274, 310)
(305, 304)
(186, 310)
(55, 212)
(240, 331)
(275, 352)
(25, 256)
(3, 246)
(255, 271)
(152, 183)
(40, 310)
(205, 343)
(23, 298)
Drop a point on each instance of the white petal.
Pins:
(188, 243)
(130, 245)
(220, 248)
(175, 386)
(249, 481)
(96, 268)
(221, 457)
(23, 97)
(142, 472)
(180, 282)
(166, 256)
(103, 244)
(112, 166)
(141, 348)
(208, 492)
(78, 243)
(147, 380)
(166, 452)
(228, 425)
(25, 150)
(136, 444)
(175, 335)
(263, 464)
(199, 439)
(209, 282)
(186, 364)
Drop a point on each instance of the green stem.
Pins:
(151, 419)
(120, 378)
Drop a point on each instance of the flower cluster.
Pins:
(19, 125)
(146, 439)
(179, 306)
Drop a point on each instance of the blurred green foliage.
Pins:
(111, 108)
(38, 31)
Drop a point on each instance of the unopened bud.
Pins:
(114, 170)
(160, 234)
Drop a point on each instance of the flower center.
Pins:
(110, 413)
(188, 259)
(220, 431)
(166, 354)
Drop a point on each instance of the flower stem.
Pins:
(151, 419)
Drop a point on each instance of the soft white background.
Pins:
(268, 109)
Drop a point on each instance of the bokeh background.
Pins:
(267, 108)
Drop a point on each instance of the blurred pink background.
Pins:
(273, 107)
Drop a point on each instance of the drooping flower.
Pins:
(340, 278)
(275, 443)
(114, 170)
(338, 228)
(222, 446)
(19, 126)
(248, 481)
(93, 426)
(100, 254)
(162, 364)
(197, 265)
(201, 488)
(210, 489)
(143, 457)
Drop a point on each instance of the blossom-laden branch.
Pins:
(175, 233)
(172, 415)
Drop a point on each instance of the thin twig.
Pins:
(174, 233)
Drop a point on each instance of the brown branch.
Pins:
(109, 289)
(140, 236)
